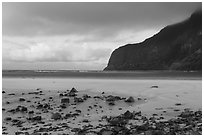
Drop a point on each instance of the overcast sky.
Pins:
(79, 35)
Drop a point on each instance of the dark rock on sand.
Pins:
(34, 92)
(85, 121)
(11, 94)
(72, 94)
(111, 103)
(36, 118)
(154, 86)
(43, 106)
(21, 109)
(85, 96)
(63, 106)
(113, 98)
(128, 115)
(31, 112)
(73, 90)
(56, 116)
(21, 99)
(78, 111)
(3, 91)
(78, 100)
(68, 116)
(8, 119)
(178, 104)
(117, 121)
(65, 100)
(19, 133)
(61, 95)
(130, 100)
(17, 122)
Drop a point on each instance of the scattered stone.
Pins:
(21, 109)
(56, 116)
(111, 103)
(63, 106)
(78, 100)
(176, 109)
(34, 92)
(21, 99)
(31, 112)
(85, 96)
(78, 111)
(19, 133)
(11, 94)
(7, 102)
(37, 118)
(8, 119)
(128, 115)
(73, 90)
(65, 100)
(68, 116)
(61, 95)
(71, 94)
(154, 114)
(178, 104)
(85, 121)
(154, 86)
(130, 100)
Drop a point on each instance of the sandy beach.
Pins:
(148, 108)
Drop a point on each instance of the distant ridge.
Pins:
(175, 47)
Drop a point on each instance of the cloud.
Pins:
(102, 19)
(49, 52)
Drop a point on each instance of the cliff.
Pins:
(175, 47)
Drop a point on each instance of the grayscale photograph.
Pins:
(101, 68)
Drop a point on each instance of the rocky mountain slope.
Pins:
(175, 47)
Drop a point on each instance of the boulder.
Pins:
(63, 106)
(72, 94)
(21, 109)
(130, 100)
(65, 100)
(37, 118)
(21, 99)
(31, 112)
(61, 95)
(8, 119)
(78, 100)
(111, 103)
(73, 90)
(110, 98)
(67, 116)
(155, 87)
(56, 116)
(85, 121)
(85, 96)
(128, 115)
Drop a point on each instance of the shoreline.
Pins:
(105, 75)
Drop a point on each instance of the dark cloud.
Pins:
(101, 19)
